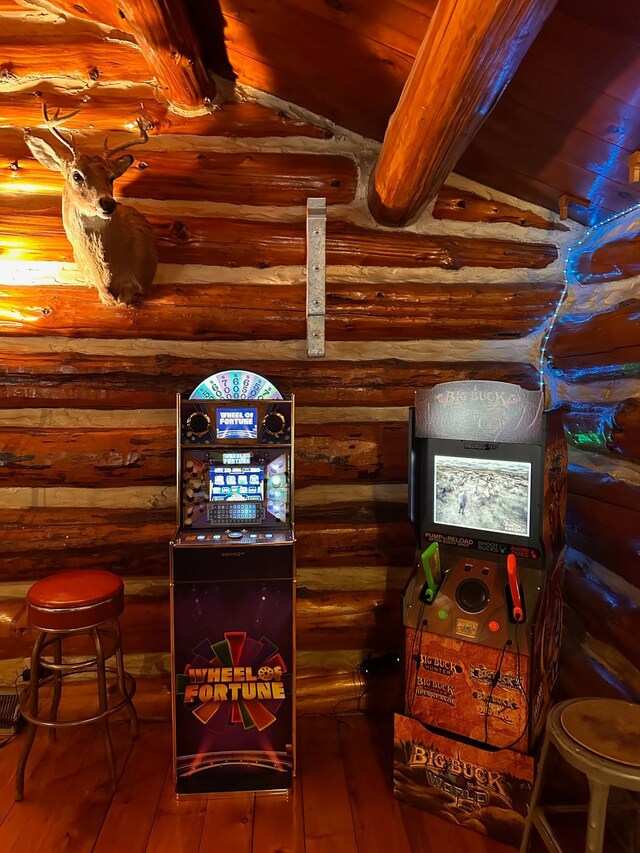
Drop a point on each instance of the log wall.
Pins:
(594, 368)
(87, 394)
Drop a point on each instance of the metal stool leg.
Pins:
(103, 700)
(57, 688)
(535, 794)
(121, 681)
(33, 708)
(599, 795)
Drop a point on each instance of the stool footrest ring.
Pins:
(130, 689)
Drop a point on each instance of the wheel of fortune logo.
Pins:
(238, 680)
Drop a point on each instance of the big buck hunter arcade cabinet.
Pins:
(233, 588)
(483, 609)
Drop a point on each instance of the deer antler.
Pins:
(52, 125)
(109, 152)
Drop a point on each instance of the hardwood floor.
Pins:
(341, 803)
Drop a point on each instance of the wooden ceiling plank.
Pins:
(282, 55)
(572, 101)
(569, 143)
(391, 24)
(470, 52)
(171, 47)
(603, 60)
(619, 16)
(537, 167)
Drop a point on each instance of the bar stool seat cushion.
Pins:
(74, 600)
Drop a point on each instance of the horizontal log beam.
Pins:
(42, 378)
(618, 551)
(110, 109)
(465, 206)
(605, 612)
(603, 487)
(614, 428)
(409, 311)
(605, 524)
(616, 260)
(42, 540)
(470, 52)
(249, 178)
(71, 49)
(604, 346)
(172, 49)
(325, 453)
(237, 242)
(319, 691)
(581, 674)
(340, 620)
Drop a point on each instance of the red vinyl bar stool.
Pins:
(66, 605)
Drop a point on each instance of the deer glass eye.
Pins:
(77, 177)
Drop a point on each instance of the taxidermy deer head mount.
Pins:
(113, 245)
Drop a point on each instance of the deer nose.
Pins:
(108, 206)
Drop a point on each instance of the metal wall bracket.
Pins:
(316, 253)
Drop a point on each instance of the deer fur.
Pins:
(113, 245)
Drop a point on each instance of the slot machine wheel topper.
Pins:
(235, 385)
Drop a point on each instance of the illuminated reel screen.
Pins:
(241, 488)
(492, 495)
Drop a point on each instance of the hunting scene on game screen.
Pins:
(482, 494)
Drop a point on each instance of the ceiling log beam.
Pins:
(469, 54)
(169, 43)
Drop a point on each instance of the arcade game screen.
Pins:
(236, 483)
(483, 494)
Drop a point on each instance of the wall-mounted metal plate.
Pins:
(316, 264)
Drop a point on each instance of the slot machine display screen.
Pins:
(492, 495)
(236, 483)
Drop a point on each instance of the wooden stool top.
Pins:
(607, 727)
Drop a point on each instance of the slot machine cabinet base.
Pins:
(234, 667)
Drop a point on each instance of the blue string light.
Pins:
(571, 277)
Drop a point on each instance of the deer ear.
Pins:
(121, 165)
(44, 153)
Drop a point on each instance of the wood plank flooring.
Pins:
(342, 800)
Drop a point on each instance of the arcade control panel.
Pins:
(478, 600)
(235, 537)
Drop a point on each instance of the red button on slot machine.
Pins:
(494, 626)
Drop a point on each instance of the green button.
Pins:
(442, 614)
